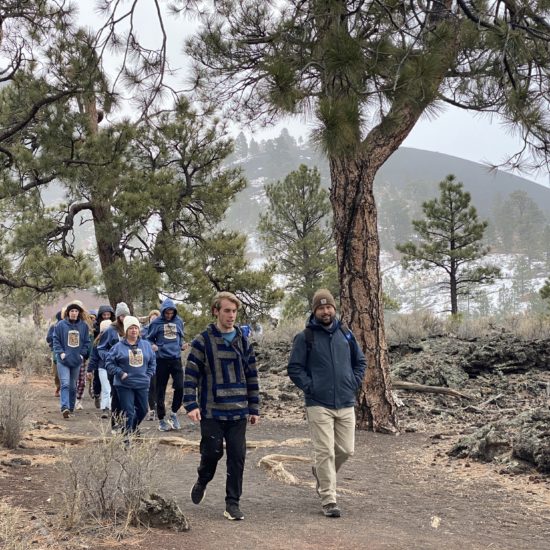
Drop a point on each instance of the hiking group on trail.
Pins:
(130, 366)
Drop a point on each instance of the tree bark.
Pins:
(358, 252)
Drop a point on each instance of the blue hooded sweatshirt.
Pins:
(72, 339)
(137, 360)
(167, 335)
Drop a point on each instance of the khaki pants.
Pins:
(333, 437)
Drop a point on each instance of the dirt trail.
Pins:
(396, 493)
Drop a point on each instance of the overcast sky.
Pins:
(454, 132)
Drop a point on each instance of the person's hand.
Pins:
(194, 415)
(89, 375)
(185, 346)
(124, 376)
(62, 356)
(155, 347)
(253, 419)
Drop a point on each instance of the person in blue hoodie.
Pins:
(166, 336)
(131, 362)
(107, 341)
(71, 345)
(327, 364)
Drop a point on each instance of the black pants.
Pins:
(116, 411)
(165, 369)
(152, 394)
(96, 384)
(213, 432)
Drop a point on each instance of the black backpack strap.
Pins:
(351, 341)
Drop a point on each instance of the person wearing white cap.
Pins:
(131, 362)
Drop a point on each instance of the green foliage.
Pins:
(218, 263)
(296, 232)
(544, 292)
(450, 239)
(518, 223)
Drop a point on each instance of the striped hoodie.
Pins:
(223, 375)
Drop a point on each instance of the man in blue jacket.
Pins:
(166, 336)
(327, 364)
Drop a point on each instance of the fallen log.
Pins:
(410, 386)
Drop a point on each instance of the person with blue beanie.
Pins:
(71, 345)
(166, 336)
(132, 363)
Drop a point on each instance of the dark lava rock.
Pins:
(156, 511)
(525, 437)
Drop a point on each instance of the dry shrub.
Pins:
(284, 331)
(17, 534)
(468, 327)
(528, 327)
(410, 327)
(15, 405)
(106, 482)
(23, 346)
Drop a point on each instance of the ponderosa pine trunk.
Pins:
(358, 252)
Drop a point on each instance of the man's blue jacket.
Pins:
(331, 372)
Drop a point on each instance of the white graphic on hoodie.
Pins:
(170, 331)
(73, 339)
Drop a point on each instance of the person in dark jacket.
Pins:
(96, 367)
(221, 369)
(131, 362)
(327, 364)
(49, 339)
(71, 345)
(166, 336)
(104, 313)
(152, 398)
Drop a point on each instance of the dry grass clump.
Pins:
(23, 346)
(17, 534)
(106, 483)
(528, 327)
(15, 405)
(283, 332)
(410, 327)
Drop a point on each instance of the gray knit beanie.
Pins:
(121, 309)
(322, 297)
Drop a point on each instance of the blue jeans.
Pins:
(133, 404)
(68, 377)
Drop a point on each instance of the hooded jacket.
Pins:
(72, 339)
(137, 360)
(329, 375)
(167, 335)
(100, 312)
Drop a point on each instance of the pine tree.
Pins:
(297, 234)
(450, 240)
(366, 72)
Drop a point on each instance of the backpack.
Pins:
(310, 337)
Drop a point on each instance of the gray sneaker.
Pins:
(164, 425)
(331, 510)
(175, 422)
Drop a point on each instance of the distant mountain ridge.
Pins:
(415, 171)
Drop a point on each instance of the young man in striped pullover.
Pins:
(221, 392)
